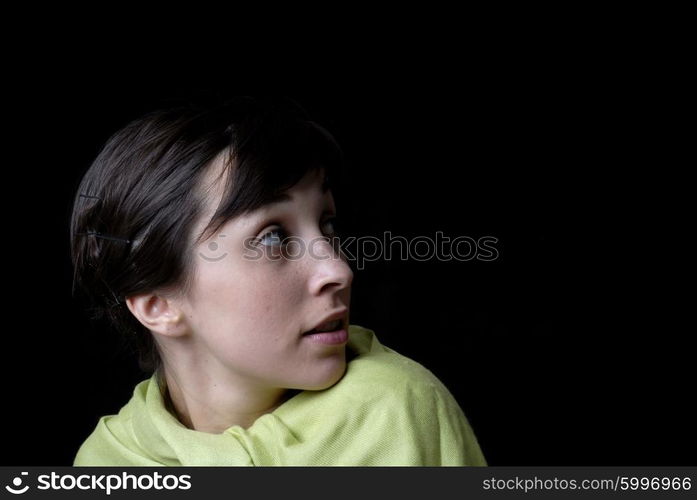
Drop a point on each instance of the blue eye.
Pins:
(272, 238)
(276, 236)
(334, 223)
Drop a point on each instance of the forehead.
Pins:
(215, 178)
(313, 186)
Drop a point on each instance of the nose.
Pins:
(328, 267)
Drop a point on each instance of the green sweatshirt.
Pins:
(387, 410)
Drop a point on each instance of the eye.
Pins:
(275, 237)
(272, 238)
(333, 224)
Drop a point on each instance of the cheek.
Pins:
(260, 295)
(273, 294)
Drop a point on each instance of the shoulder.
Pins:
(111, 443)
(408, 412)
(382, 369)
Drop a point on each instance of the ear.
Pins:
(158, 313)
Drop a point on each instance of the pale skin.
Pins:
(234, 346)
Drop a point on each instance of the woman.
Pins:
(207, 235)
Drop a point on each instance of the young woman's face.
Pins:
(252, 301)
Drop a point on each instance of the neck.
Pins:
(213, 408)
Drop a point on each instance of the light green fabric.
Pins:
(386, 410)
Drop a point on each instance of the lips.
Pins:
(329, 326)
(331, 323)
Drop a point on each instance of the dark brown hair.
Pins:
(138, 203)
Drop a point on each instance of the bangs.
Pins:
(269, 153)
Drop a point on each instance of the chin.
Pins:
(326, 377)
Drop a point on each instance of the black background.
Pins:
(567, 350)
